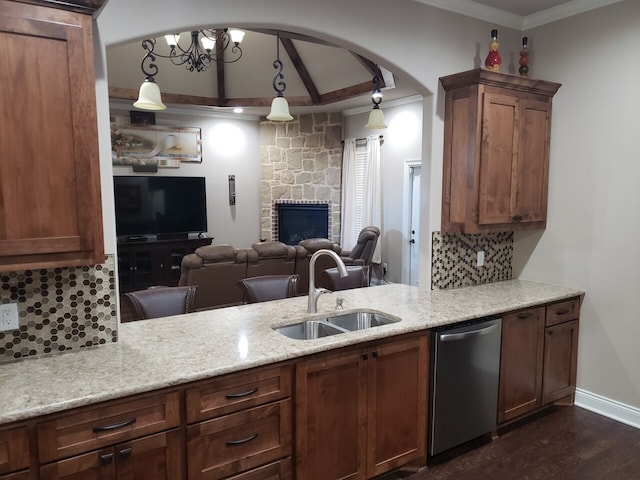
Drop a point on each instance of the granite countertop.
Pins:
(158, 353)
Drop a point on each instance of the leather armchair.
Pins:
(158, 302)
(305, 249)
(357, 277)
(364, 247)
(216, 270)
(269, 287)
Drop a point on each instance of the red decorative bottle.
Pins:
(524, 59)
(493, 60)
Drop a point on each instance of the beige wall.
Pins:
(593, 221)
(591, 240)
(230, 146)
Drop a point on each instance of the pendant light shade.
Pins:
(149, 96)
(279, 106)
(279, 110)
(376, 119)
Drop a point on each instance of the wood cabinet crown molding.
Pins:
(89, 7)
(481, 76)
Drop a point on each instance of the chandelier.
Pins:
(205, 48)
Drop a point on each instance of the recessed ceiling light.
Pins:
(238, 110)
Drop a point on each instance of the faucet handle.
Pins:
(339, 303)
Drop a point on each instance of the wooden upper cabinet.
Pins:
(50, 207)
(496, 152)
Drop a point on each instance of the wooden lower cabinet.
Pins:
(521, 363)
(539, 357)
(560, 361)
(361, 411)
(156, 457)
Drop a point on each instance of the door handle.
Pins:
(453, 337)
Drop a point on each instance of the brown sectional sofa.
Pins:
(216, 269)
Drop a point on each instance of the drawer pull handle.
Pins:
(522, 316)
(114, 426)
(564, 311)
(106, 459)
(233, 443)
(125, 452)
(242, 394)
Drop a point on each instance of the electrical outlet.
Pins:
(9, 317)
(480, 258)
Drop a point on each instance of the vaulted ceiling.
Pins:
(318, 76)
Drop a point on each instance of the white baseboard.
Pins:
(607, 407)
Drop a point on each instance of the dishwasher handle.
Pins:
(454, 337)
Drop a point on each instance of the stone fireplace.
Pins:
(301, 163)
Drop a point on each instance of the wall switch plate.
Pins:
(480, 259)
(9, 317)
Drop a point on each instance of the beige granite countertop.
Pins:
(153, 354)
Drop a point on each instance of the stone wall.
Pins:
(301, 160)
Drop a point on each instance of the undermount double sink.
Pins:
(334, 325)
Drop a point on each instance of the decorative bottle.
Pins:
(493, 59)
(524, 59)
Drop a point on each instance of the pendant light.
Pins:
(279, 105)
(376, 117)
(149, 95)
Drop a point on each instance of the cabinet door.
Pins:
(156, 457)
(98, 465)
(397, 399)
(14, 449)
(560, 361)
(499, 150)
(532, 161)
(49, 174)
(521, 363)
(331, 413)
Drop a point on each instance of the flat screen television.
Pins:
(168, 207)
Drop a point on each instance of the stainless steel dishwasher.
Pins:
(464, 383)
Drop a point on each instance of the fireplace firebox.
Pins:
(298, 221)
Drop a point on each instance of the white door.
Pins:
(415, 173)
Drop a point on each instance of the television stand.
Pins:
(152, 262)
(172, 236)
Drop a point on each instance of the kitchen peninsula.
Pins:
(170, 354)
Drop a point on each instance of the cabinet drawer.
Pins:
(563, 312)
(27, 476)
(241, 441)
(91, 428)
(274, 471)
(14, 449)
(231, 393)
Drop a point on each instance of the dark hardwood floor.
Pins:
(562, 443)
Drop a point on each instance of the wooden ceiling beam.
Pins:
(371, 67)
(222, 91)
(293, 36)
(300, 67)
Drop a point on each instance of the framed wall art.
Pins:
(140, 145)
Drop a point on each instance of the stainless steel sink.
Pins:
(309, 330)
(335, 324)
(360, 320)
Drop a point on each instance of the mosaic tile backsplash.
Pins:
(454, 255)
(59, 309)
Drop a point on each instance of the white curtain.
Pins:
(372, 214)
(349, 233)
